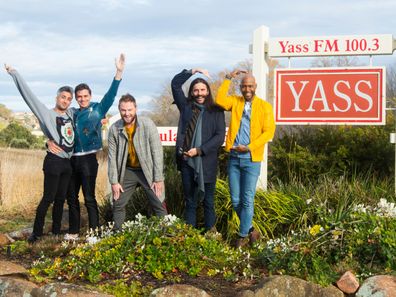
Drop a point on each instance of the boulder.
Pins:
(282, 286)
(9, 268)
(379, 286)
(5, 239)
(66, 290)
(245, 293)
(348, 283)
(21, 234)
(179, 291)
(15, 287)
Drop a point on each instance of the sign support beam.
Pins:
(261, 72)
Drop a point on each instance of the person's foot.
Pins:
(254, 235)
(71, 237)
(241, 242)
(33, 238)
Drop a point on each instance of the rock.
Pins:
(179, 291)
(15, 287)
(9, 268)
(21, 234)
(282, 286)
(348, 283)
(245, 293)
(5, 239)
(378, 286)
(66, 290)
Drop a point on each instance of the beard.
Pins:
(129, 120)
(200, 98)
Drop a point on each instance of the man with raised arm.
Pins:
(135, 158)
(200, 134)
(88, 141)
(57, 125)
(252, 126)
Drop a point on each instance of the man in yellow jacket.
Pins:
(252, 126)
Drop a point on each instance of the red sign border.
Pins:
(380, 120)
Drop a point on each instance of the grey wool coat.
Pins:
(148, 148)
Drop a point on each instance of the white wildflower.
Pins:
(92, 240)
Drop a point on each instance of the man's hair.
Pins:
(65, 89)
(209, 102)
(82, 86)
(127, 98)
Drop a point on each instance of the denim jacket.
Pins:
(87, 122)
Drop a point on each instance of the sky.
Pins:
(55, 43)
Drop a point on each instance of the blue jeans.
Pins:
(191, 199)
(243, 175)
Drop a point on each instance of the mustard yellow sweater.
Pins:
(262, 124)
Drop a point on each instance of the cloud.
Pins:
(54, 43)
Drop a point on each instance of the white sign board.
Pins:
(167, 135)
(347, 45)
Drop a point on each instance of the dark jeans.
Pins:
(191, 198)
(132, 178)
(85, 170)
(57, 173)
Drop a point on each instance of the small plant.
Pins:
(364, 240)
(158, 246)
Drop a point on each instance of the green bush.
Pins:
(19, 143)
(363, 239)
(307, 152)
(15, 135)
(158, 246)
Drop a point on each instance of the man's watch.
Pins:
(228, 76)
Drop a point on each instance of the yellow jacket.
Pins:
(262, 124)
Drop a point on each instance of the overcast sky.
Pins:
(53, 43)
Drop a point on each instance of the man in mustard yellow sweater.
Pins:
(252, 126)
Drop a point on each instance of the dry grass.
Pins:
(21, 181)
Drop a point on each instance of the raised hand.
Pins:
(8, 68)
(237, 72)
(120, 65)
(201, 70)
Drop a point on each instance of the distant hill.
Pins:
(26, 119)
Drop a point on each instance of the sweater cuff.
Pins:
(199, 151)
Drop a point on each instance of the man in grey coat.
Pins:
(135, 158)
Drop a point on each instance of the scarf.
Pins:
(196, 141)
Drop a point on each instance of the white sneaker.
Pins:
(71, 237)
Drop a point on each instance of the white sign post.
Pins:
(260, 72)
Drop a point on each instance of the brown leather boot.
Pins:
(254, 236)
(241, 242)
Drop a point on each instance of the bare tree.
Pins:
(339, 61)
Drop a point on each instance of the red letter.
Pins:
(283, 46)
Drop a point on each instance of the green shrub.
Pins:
(307, 152)
(363, 240)
(16, 133)
(19, 143)
(159, 246)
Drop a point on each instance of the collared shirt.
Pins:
(243, 136)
